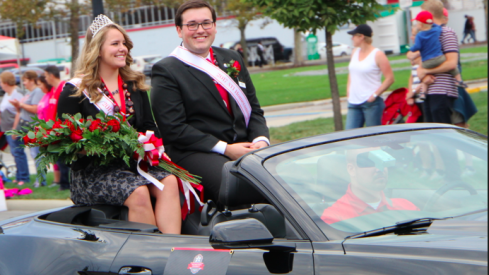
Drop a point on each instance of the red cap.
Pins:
(445, 12)
(424, 17)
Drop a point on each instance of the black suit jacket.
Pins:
(190, 112)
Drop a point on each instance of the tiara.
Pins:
(99, 23)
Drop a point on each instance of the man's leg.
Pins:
(209, 167)
(440, 108)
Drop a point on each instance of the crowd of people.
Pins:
(436, 85)
(203, 128)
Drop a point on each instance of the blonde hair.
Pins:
(7, 78)
(88, 64)
(435, 7)
(367, 39)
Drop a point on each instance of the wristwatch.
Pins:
(374, 95)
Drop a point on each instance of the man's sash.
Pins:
(105, 103)
(218, 75)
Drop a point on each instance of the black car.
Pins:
(280, 52)
(350, 202)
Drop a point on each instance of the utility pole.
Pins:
(97, 7)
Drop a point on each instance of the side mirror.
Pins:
(240, 234)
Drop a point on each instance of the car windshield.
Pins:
(366, 183)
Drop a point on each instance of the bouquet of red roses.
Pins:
(106, 139)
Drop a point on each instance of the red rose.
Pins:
(76, 135)
(28, 140)
(96, 124)
(116, 126)
(69, 124)
(57, 124)
(237, 66)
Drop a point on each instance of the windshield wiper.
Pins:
(413, 226)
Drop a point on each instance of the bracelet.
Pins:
(374, 95)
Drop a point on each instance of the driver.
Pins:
(368, 170)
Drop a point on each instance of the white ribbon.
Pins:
(218, 75)
(149, 147)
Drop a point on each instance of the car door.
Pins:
(151, 253)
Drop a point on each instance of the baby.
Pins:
(428, 44)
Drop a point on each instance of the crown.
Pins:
(99, 22)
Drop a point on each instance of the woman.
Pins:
(42, 113)
(104, 65)
(364, 87)
(8, 113)
(27, 108)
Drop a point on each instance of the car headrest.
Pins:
(235, 191)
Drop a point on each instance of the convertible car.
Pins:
(397, 199)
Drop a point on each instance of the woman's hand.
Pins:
(164, 154)
(15, 103)
(371, 98)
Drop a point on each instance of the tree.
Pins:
(244, 13)
(317, 14)
(17, 12)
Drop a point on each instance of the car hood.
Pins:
(458, 240)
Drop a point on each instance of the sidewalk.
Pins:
(17, 208)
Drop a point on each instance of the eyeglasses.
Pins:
(195, 26)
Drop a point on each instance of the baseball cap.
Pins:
(362, 29)
(445, 12)
(424, 17)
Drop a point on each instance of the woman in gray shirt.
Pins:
(27, 109)
(8, 113)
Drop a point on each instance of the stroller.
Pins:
(9, 170)
(398, 111)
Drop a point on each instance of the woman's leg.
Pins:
(354, 117)
(373, 112)
(167, 208)
(20, 159)
(140, 208)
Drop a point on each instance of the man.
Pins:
(52, 78)
(469, 29)
(368, 174)
(260, 50)
(442, 90)
(204, 101)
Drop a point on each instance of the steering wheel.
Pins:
(445, 188)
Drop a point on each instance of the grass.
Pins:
(44, 192)
(319, 126)
(282, 86)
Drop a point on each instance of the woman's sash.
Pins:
(218, 75)
(105, 103)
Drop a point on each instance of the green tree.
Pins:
(317, 14)
(22, 12)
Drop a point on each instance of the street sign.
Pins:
(405, 4)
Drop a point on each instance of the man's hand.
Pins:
(258, 145)
(429, 79)
(236, 150)
(371, 99)
(421, 72)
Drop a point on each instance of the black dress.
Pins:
(111, 184)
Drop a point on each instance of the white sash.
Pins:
(105, 103)
(218, 75)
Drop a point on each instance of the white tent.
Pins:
(9, 48)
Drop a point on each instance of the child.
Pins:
(428, 44)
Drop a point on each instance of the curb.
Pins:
(35, 205)
(281, 107)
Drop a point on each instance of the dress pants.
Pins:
(209, 167)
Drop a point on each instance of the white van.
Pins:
(140, 61)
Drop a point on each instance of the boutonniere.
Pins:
(233, 68)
